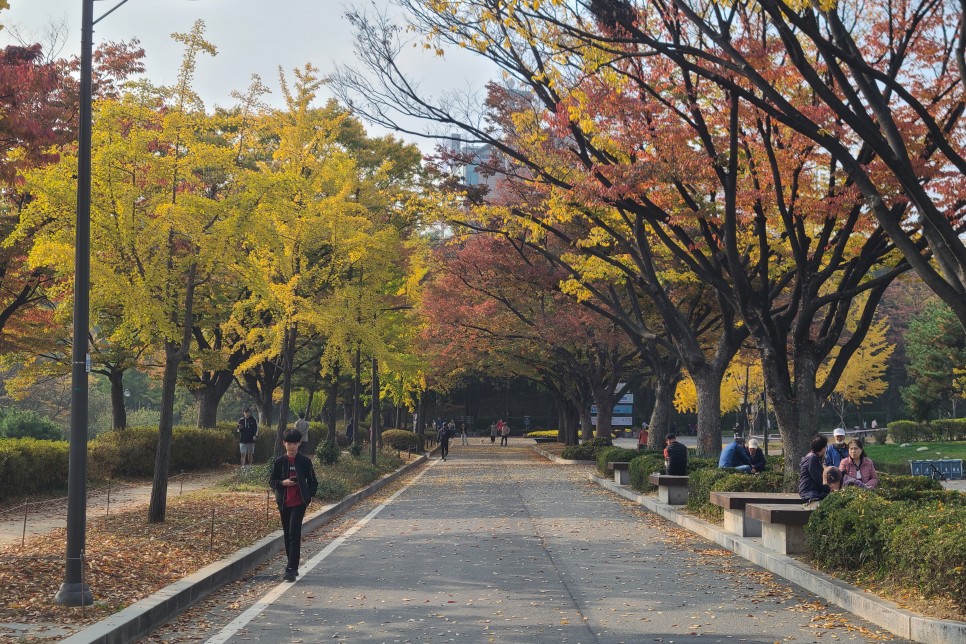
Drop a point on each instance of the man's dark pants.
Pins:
(292, 529)
(445, 447)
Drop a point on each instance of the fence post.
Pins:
(181, 491)
(211, 542)
(23, 537)
(108, 515)
(268, 503)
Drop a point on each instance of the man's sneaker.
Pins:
(289, 575)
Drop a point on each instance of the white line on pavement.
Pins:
(256, 609)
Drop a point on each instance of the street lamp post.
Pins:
(74, 592)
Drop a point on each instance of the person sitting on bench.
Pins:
(675, 456)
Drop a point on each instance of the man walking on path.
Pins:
(504, 434)
(493, 432)
(463, 434)
(293, 479)
(247, 431)
(443, 437)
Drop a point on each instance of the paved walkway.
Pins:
(499, 545)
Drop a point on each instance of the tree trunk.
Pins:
(605, 413)
(288, 358)
(162, 458)
(586, 427)
(374, 434)
(708, 387)
(118, 407)
(661, 414)
(333, 393)
(173, 355)
(209, 397)
(356, 427)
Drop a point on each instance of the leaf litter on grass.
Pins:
(128, 558)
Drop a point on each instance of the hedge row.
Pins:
(911, 541)
(586, 451)
(614, 454)
(908, 431)
(121, 453)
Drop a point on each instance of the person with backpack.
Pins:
(444, 436)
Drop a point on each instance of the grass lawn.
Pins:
(895, 458)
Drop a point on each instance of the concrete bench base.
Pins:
(672, 490)
(736, 520)
(744, 526)
(783, 539)
(621, 472)
(782, 526)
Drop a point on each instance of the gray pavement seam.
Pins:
(553, 562)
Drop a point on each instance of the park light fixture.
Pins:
(75, 591)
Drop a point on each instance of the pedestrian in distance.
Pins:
(504, 434)
(349, 433)
(293, 479)
(675, 456)
(303, 426)
(247, 431)
(463, 434)
(493, 432)
(443, 436)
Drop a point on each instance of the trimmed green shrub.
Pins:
(700, 462)
(328, 453)
(903, 487)
(927, 550)
(611, 454)
(907, 431)
(400, 439)
(586, 451)
(699, 490)
(133, 450)
(332, 489)
(17, 423)
(850, 530)
(949, 429)
(355, 449)
(642, 466)
(30, 465)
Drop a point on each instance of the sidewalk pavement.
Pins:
(499, 545)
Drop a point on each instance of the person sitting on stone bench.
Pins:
(735, 457)
(811, 477)
(675, 456)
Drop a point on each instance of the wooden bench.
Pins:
(545, 439)
(782, 525)
(672, 490)
(736, 519)
(621, 471)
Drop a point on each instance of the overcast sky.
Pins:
(252, 37)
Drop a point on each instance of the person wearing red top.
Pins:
(294, 481)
